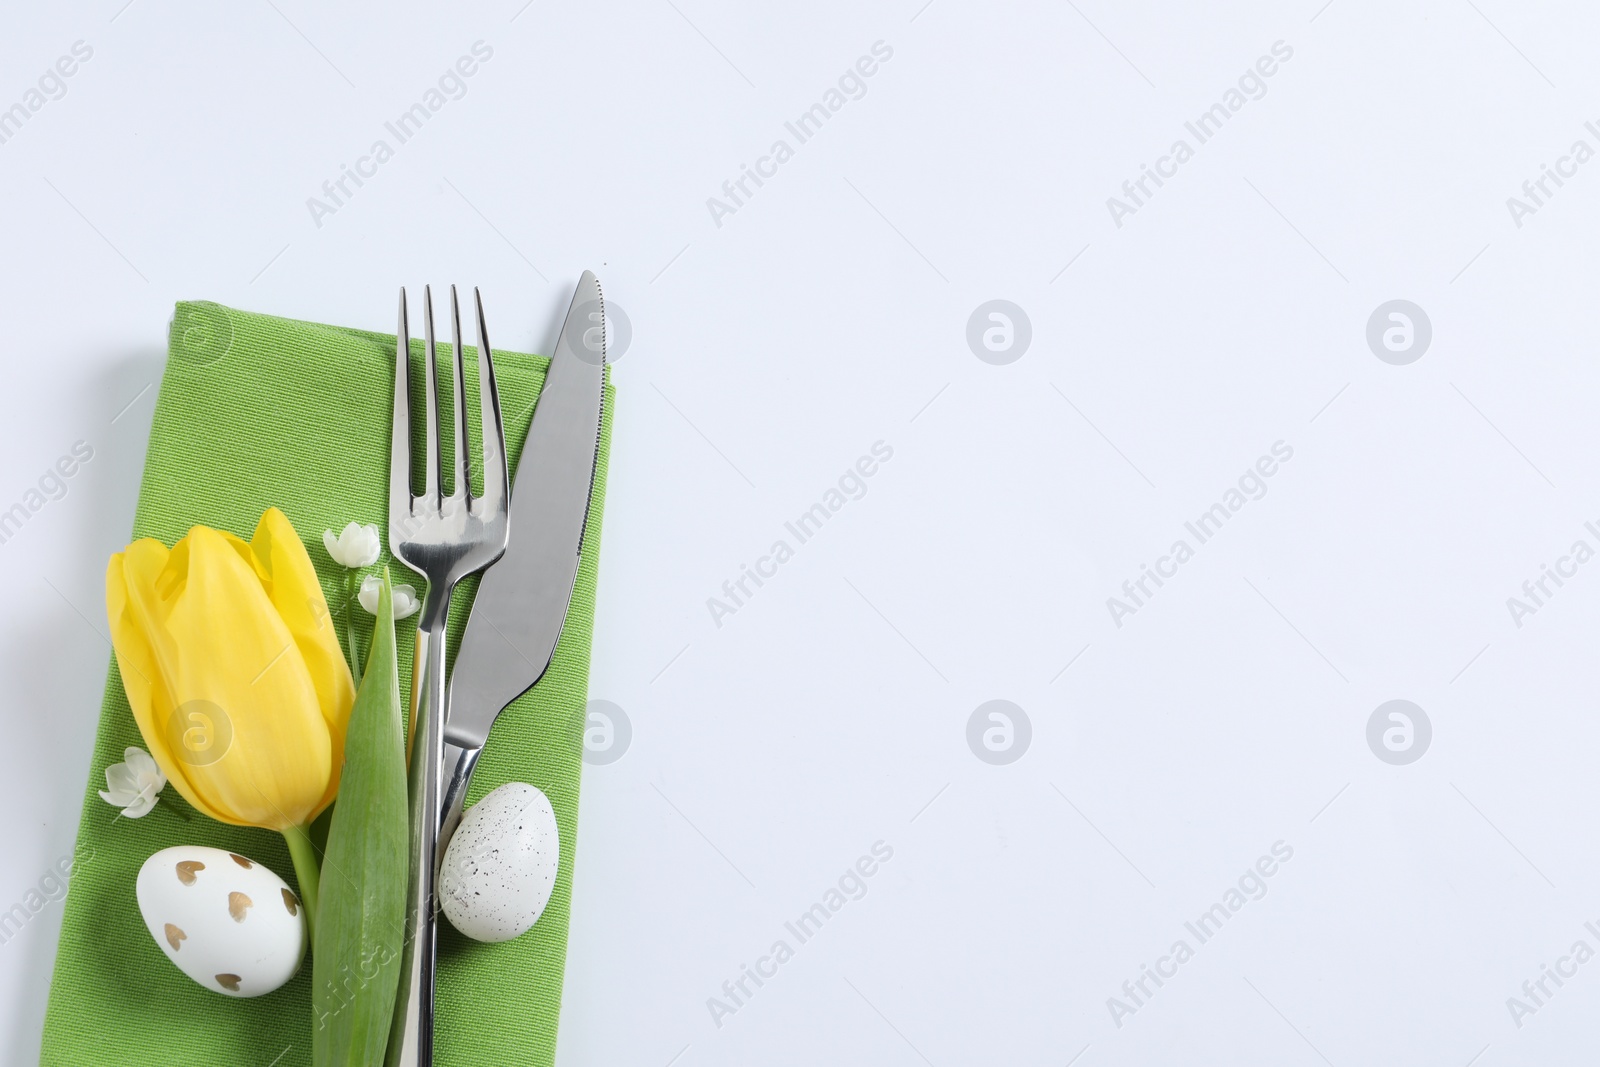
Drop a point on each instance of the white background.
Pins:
(830, 312)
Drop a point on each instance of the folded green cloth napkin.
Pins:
(257, 411)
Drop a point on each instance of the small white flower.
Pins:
(405, 597)
(133, 786)
(356, 545)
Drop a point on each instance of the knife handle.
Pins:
(411, 1035)
(458, 763)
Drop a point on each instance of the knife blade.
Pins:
(522, 601)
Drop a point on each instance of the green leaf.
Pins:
(360, 923)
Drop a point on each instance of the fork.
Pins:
(444, 539)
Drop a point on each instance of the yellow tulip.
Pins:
(235, 675)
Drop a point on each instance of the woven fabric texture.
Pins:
(257, 411)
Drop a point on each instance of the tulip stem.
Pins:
(304, 855)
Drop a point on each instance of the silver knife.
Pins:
(521, 605)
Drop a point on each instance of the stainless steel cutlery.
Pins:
(517, 616)
(443, 538)
(522, 601)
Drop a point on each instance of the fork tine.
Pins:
(458, 367)
(400, 442)
(496, 480)
(431, 485)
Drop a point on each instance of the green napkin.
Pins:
(257, 411)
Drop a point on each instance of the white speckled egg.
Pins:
(501, 864)
(226, 921)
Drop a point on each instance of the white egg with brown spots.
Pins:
(501, 864)
(225, 920)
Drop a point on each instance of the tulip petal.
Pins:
(219, 640)
(142, 679)
(282, 757)
(292, 585)
(226, 663)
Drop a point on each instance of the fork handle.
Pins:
(411, 1035)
